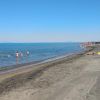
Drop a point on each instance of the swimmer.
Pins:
(27, 53)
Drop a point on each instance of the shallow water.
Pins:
(37, 52)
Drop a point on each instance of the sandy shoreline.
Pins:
(42, 81)
(8, 69)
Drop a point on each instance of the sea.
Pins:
(37, 52)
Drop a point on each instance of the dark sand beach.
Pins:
(69, 78)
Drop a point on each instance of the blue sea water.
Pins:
(37, 52)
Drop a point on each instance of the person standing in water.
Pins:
(17, 56)
(21, 54)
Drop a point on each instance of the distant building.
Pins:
(87, 44)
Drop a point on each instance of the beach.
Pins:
(68, 78)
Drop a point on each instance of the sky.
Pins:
(49, 20)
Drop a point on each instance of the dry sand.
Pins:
(74, 79)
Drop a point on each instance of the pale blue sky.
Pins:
(49, 20)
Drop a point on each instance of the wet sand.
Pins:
(76, 78)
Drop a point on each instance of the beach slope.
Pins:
(74, 79)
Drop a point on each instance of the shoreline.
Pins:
(32, 64)
(12, 67)
(9, 67)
